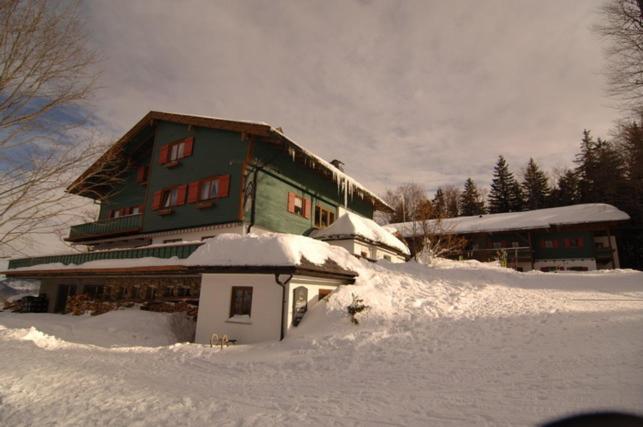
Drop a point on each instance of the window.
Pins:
(177, 150)
(323, 217)
(241, 301)
(299, 205)
(172, 153)
(576, 242)
(515, 244)
(118, 213)
(497, 245)
(549, 244)
(387, 257)
(209, 189)
(169, 197)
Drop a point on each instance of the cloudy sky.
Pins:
(428, 92)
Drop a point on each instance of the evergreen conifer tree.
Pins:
(505, 194)
(471, 202)
(535, 186)
(439, 204)
(566, 192)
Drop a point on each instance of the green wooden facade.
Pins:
(215, 153)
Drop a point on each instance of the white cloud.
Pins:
(426, 91)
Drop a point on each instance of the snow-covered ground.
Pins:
(455, 344)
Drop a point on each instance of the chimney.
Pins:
(338, 164)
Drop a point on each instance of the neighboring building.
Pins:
(578, 237)
(174, 181)
(364, 238)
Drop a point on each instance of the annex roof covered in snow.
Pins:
(530, 220)
(294, 150)
(224, 253)
(352, 225)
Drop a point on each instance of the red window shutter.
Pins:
(542, 244)
(291, 202)
(140, 174)
(307, 208)
(580, 242)
(193, 192)
(110, 213)
(224, 186)
(165, 152)
(180, 194)
(567, 243)
(141, 208)
(187, 148)
(555, 243)
(156, 202)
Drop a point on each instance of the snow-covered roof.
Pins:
(344, 182)
(231, 250)
(530, 220)
(352, 225)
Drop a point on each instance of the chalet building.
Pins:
(578, 238)
(174, 182)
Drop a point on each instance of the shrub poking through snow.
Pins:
(356, 307)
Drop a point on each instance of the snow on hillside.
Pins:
(461, 343)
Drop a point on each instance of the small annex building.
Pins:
(578, 237)
(251, 288)
(364, 238)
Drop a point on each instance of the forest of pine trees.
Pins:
(603, 172)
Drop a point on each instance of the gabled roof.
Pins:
(351, 225)
(264, 130)
(588, 213)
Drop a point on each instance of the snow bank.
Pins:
(350, 224)
(536, 219)
(460, 343)
(128, 327)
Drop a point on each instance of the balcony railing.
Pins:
(109, 227)
(520, 254)
(160, 251)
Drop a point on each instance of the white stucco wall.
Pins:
(313, 285)
(264, 323)
(214, 308)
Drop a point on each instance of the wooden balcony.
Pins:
(106, 228)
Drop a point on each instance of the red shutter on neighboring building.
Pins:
(180, 194)
(187, 148)
(165, 152)
(307, 208)
(224, 186)
(193, 192)
(156, 202)
(140, 174)
(291, 202)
